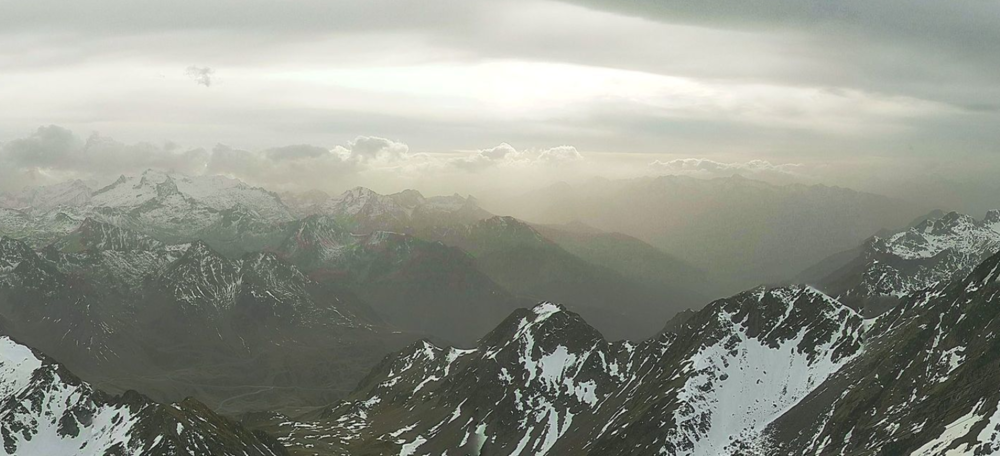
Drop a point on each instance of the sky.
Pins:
(479, 96)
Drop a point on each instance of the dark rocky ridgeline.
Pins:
(60, 312)
(239, 230)
(771, 371)
(545, 382)
(94, 236)
(414, 284)
(508, 252)
(518, 257)
(127, 312)
(926, 383)
(46, 410)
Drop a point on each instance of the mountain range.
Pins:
(876, 275)
(409, 325)
(745, 232)
(770, 371)
(383, 248)
(129, 312)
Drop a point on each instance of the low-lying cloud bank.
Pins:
(54, 154)
(760, 169)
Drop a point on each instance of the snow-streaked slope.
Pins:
(545, 382)
(169, 205)
(925, 384)
(957, 232)
(215, 192)
(96, 236)
(166, 206)
(45, 410)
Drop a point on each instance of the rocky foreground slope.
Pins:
(771, 371)
(46, 410)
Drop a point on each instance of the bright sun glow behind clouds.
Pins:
(544, 90)
(470, 74)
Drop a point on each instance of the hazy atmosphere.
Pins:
(895, 97)
(500, 228)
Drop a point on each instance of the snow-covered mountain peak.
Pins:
(547, 309)
(131, 191)
(409, 198)
(541, 319)
(46, 410)
(217, 192)
(545, 382)
(958, 232)
(202, 276)
(356, 198)
(367, 208)
(992, 220)
(799, 314)
(268, 265)
(933, 251)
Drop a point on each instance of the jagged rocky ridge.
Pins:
(925, 384)
(165, 206)
(771, 371)
(128, 312)
(545, 382)
(891, 266)
(511, 262)
(46, 410)
(417, 285)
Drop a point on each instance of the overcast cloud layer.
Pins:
(478, 95)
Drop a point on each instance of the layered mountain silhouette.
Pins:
(770, 371)
(403, 324)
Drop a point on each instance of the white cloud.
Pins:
(703, 167)
(560, 155)
(501, 155)
(201, 75)
(505, 155)
(372, 149)
(500, 152)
